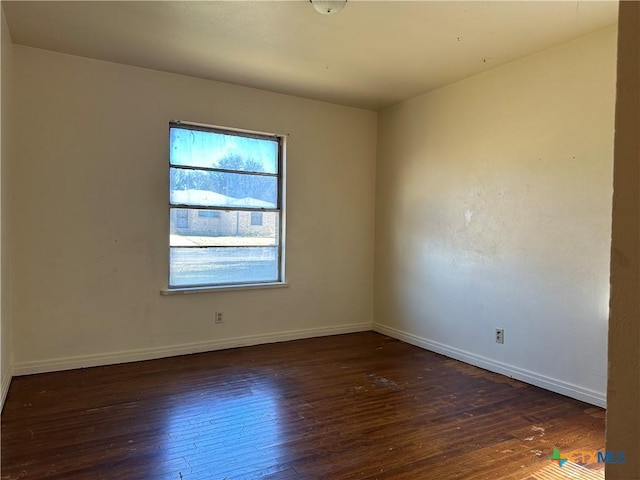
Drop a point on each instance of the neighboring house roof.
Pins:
(212, 199)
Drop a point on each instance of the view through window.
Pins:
(225, 207)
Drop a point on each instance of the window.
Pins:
(209, 213)
(256, 218)
(235, 177)
(182, 219)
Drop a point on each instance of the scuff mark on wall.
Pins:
(467, 217)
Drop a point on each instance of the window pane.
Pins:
(217, 266)
(196, 148)
(209, 213)
(219, 228)
(221, 189)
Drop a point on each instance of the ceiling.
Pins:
(370, 55)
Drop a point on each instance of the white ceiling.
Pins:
(372, 54)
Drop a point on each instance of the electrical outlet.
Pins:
(219, 319)
(499, 335)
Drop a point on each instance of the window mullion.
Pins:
(225, 170)
(226, 209)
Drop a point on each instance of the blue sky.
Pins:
(205, 149)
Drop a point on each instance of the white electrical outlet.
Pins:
(219, 318)
(499, 335)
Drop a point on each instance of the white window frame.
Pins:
(280, 209)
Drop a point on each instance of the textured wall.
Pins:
(91, 219)
(493, 209)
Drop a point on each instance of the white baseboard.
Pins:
(548, 383)
(84, 361)
(4, 386)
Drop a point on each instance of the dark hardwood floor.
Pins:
(359, 406)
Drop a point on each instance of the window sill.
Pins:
(222, 288)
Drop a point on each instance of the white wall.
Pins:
(90, 220)
(5, 263)
(493, 203)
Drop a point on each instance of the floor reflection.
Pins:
(239, 424)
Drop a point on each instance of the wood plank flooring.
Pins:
(359, 406)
